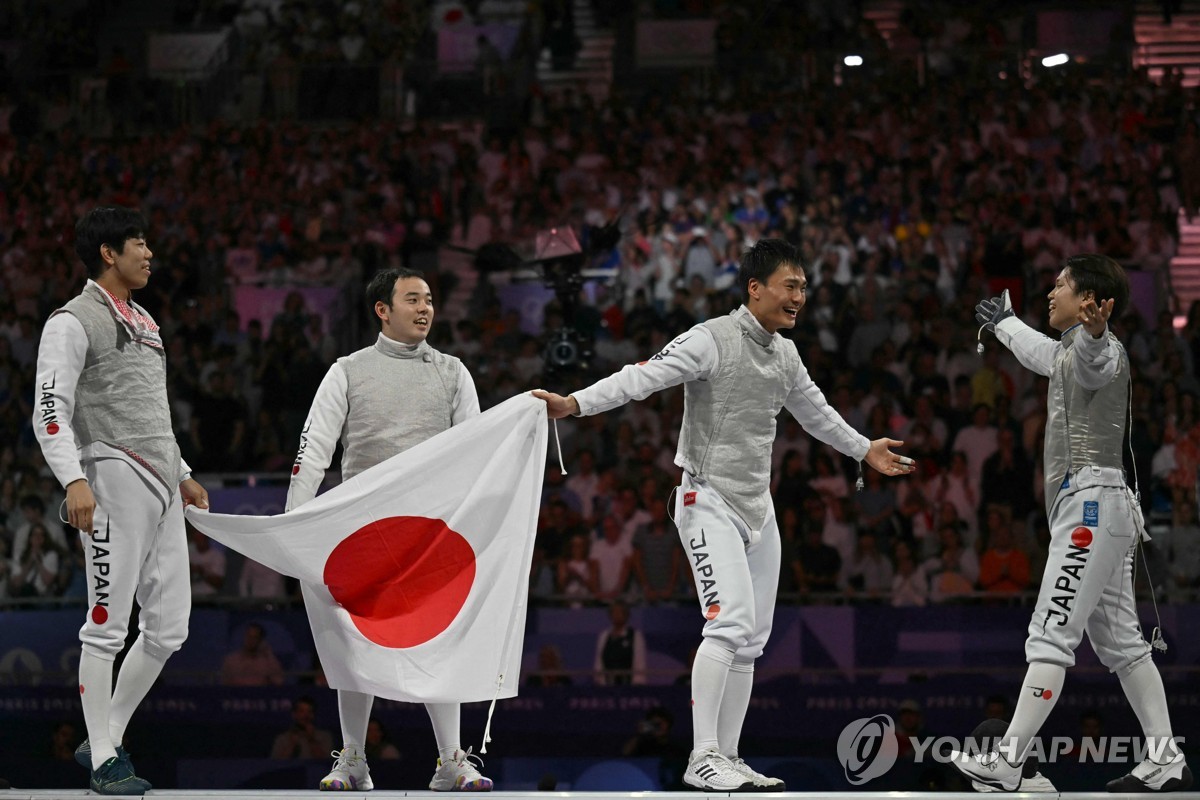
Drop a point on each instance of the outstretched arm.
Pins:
(692, 356)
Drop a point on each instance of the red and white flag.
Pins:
(417, 570)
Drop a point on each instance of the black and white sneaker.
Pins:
(761, 783)
(713, 772)
(1174, 776)
(990, 769)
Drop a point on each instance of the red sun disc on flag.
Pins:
(402, 579)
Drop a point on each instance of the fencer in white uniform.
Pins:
(380, 401)
(738, 372)
(104, 425)
(1095, 525)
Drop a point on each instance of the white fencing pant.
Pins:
(137, 548)
(736, 569)
(1088, 583)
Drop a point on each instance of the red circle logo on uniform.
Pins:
(1047, 694)
(296, 470)
(402, 579)
(712, 611)
(99, 615)
(52, 428)
(81, 688)
(1081, 537)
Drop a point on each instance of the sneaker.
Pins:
(1037, 782)
(761, 782)
(989, 769)
(349, 773)
(83, 754)
(713, 772)
(1174, 776)
(116, 777)
(459, 774)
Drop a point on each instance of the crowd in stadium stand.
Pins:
(909, 204)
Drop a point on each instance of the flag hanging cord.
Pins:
(487, 729)
(558, 444)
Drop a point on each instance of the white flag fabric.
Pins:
(416, 571)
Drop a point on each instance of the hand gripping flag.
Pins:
(416, 572)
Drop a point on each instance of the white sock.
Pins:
(445, 718)
(1144, 691)
(354, 710)
(1039, 694)
(95, 694)
(138, 673)
(735, 701)
(710, 672)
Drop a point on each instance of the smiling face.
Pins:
(410, 315)
(1065, 302)
(777, 302)
(126, 270)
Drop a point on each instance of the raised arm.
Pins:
(1034, 350)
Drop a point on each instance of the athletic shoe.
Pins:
(987, 736)
(990, 769)
(459, 774)
(350, 772)
(713, 772)
(1037, 782)
(761, 782)
(1174, 776)
(116, 777)
(83, 754)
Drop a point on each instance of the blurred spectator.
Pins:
(953, 572)
(1007, 477)
(869, 572)
(33, 512)
(654, 739)
(657, 562)
(254, 663)
(259, 581)
(550, 669)
(207, 565)
(578, 574)
(910, 585)
(820, 564)
(63, 742)
(620, 651)
(611, 554)
(910, 726)
(303, 739)
(378, 746)
(35, 573)
(1003, 568)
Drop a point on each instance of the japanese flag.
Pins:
(416, 572)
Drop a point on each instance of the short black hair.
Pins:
(1102, 276)
(106, 225)
(760, 262)
(380, 289)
